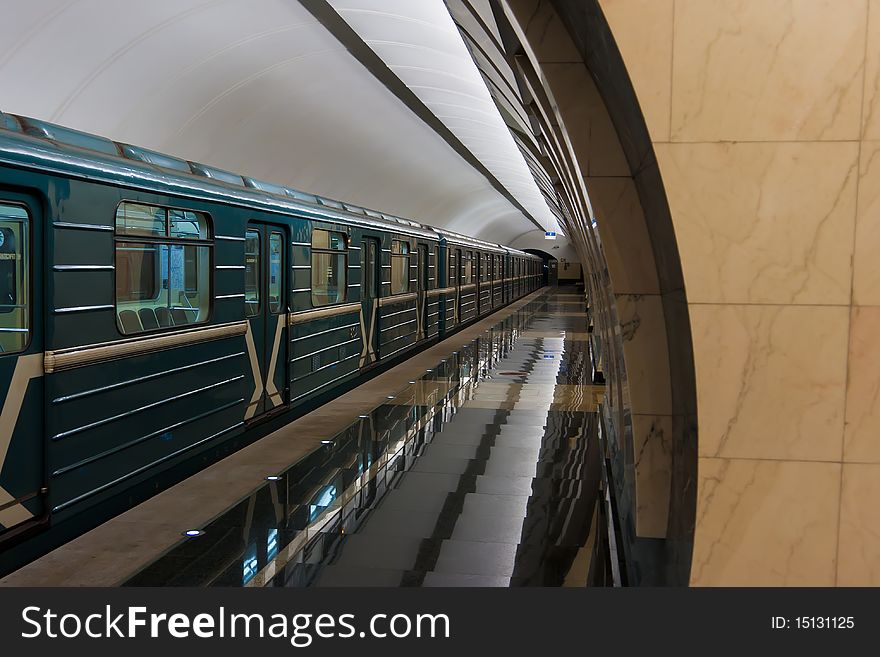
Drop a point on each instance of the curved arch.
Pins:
(568, 56)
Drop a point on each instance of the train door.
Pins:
(22, 444)
(370, 298)
(459, 275)
(266, 309)
(477, 272)
(494, 280)
(422, 290)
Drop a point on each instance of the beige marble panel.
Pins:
(862, 433)
(652, 448)
(643, 32)
(770, 380)
(763, 222)
(643, 333)
(767, 69)
(859, 549)
(766, 523)
(587, 121)
(866, 264)
(871, 103)
(625, 238)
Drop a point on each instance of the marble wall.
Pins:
(765, 122)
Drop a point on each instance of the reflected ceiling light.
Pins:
(192, 533)
(326, 442)
(273, 478)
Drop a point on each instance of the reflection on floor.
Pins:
(483, 472)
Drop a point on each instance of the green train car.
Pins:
(157, 314)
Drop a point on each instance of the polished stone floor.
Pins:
(482, 471)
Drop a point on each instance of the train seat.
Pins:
(129, 321)
(182, 316)
(148, 318)
(163, 316)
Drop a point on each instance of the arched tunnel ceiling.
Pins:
(262, 88)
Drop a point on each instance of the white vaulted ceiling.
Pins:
(264, 89)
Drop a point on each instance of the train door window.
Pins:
(251, 273)
(329, 267)
(14, 278)
(469, 268)
(163, 267)
(435, 279)
(422, 268)
(369, 287)
(141, 220)
(276, 273)
(399, 267)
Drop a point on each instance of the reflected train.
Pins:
(158, 314)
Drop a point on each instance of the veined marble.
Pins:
(643, 334)
(643, 31)
(858, 562)
(766, 523)
(770, 380)
(745, 70)
(862, 433)
(763, 223)
(866, 264)
(652, 445)
(871, 101)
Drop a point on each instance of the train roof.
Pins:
(521, 254)
(464, 240)
(27, 142)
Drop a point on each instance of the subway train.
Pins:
(158, 314)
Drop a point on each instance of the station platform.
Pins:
(473, 463)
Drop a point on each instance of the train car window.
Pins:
(140, 220)
(136, 275)
(252, 300)
(399, 267)
(276, 271)
(329, 267)
(469, 267)
(187, 225)
(14, 278)
(436, 270)
(163, 267)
